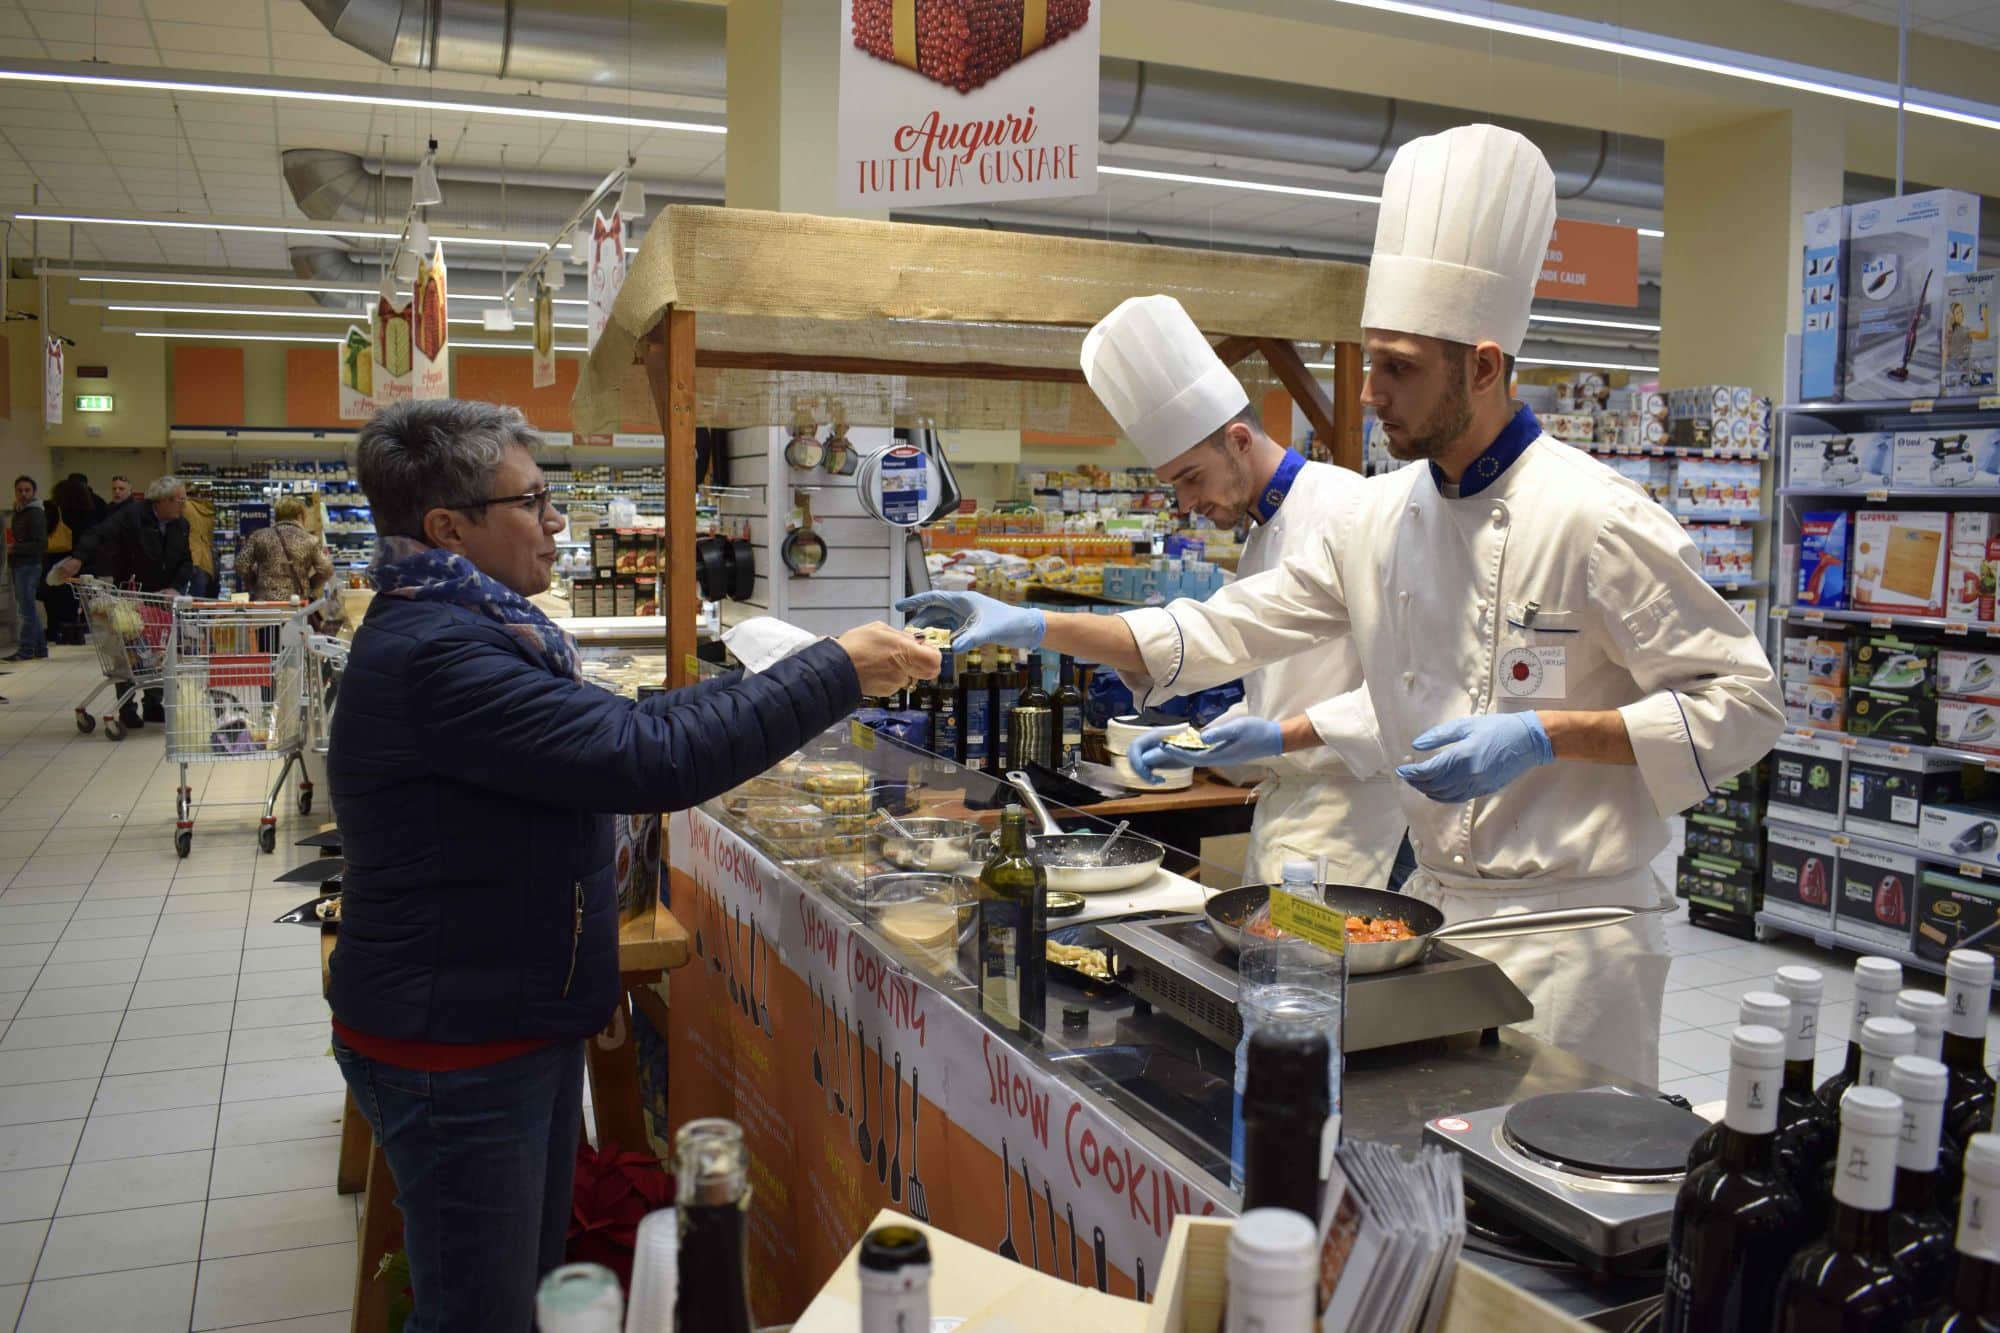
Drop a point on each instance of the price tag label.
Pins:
(1310, 921)
(1815, 617)
(1899, 749)
(1967, 868)
(862, 736)
(1923, 404)
(1960, 628)
(1881, 622)
(1780, 612)
(1991, 765)
(1878, 497)
(1849, 742)
(1990, 403)
(1840, 840)
(692, 664)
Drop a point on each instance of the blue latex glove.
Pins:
(1481, 755)
(1240, 740)
(976, 620)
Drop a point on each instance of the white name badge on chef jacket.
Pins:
(1535, 673)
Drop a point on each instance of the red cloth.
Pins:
(435, 1057)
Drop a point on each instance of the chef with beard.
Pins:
(1186, 411)
(1547, 671)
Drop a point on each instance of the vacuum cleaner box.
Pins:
(1954, 912)
(1886, 793)
(1825, 297)
(1971, 351)
(1961, 833)
(1808, 780)
(1878, 891)
(1901, 254)
(1800, 870)
(1858, 461)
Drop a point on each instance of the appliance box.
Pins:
(1974, 567)
(1824, 292)
(1955, 912)
(1720, 885)
(1857, 461)
(1887, 660)
(1877, 898)
(1966, 674)
(1823, 564)
(1886, 793)
(1822, 707)
(1901, 256)
(1961, 833)
(1971, 347)
(1905, 716)
(1819, 658)
(1808, 780)
(1899, 560)
(1960, 457)
(1800, 872)
(1969, 724)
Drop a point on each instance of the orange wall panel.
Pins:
(312, 387)
(208, 386)
(1277, 413)
(510, 379)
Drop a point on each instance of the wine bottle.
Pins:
(1926, 1011)
(1919, 1234)
(1287, 1120)
(1757, 1008)
(945, 739)
(1012, 930)
(1031, 722)
(1848, 1279)
(1876, 981)
(1882, 1040)
(1069, 716)
(1808, 1132)
(1003, 692)
(712, 1199)
(894, 1269)
(1973, 1304)
(1736, 1217)
(974, 712)
(1968, 994)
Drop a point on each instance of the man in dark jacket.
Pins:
(142, 545)
(475, 779)
(30, 533)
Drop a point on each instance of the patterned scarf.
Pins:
(405, 567)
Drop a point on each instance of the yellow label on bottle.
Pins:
(1317, 922)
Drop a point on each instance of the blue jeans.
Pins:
(483, 1160)
(27, 580)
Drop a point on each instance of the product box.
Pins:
(1723, 885)
(1741, 848)
(1901, 256)
(604, 550)
(1971, 351)
(1822, 707)
(1886, 660)
(1808, 780)
(962, 43)
(1906, 716)
(1856, 461)
(582, 597)
(1973, 568)
(1969, 724)
(1824, 295)
(1961, 833)
(646, 595)
(1899, 560)
(1955, 912)
(1940, 459)
(1823, 542)
(1877, 898)
(1819, 658)
(1886, 793)
(1965, 673)
(625, 595)
(1800, 872)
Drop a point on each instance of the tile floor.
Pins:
(169, 1115)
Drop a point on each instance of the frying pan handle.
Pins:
(1026, 786)
(1534, 923)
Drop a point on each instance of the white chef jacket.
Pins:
(1310, 804)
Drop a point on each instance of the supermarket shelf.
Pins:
(1671, 451)
(1810, 615)
(1735, 518)
(1905, 406)
(1893, 493)
(1987, 761)
(1726, 584)
(1833, 939)
(1846, 839)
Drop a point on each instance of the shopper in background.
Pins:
(77, 505)
(283, 560)
(121, 491)
(476, 779)
(143, 545)
(200, 516)
(28, 536)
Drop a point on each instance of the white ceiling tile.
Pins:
(215, 38)
(65, 25)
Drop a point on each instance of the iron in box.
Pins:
(1954, 912)
(1907, 716)
(1887, 792)
(1883, 660)
(1878, 891)
(1800, 872)
(1808, 779)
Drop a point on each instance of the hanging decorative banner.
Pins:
(545, 336)
(394, 352)
(432, 333)
(952, 101)
(52, 382)
(357, 375)
(607, 271)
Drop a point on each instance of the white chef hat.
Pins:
(1459, 244)
(1156, 374)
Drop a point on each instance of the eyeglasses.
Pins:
(538, 502)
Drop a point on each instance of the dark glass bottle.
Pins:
(945, 738)
(1876, 981)
(1808, 1132)
(1848, 1281)
(1972, 1304)
(1919, 1233)
(1882, 1041)
(1013, 930)
(1009, 678)
(1756, 1008)
(894, 1269)
(1737, 1218)
(1968, 991)
(1031, 721)
(1286, 1117)
(975, 712)
(1069, 716)
(711, 1200)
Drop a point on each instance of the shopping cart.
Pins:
(236, 692)
(129, 629)
(326, 658)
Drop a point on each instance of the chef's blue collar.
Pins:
(1488, 468)
(1278, 487)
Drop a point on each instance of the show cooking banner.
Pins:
(859, 1085)
(606, 273)
(432, 333)
(357, 375)
(952, 101)
(394, 351)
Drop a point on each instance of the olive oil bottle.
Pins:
(1012, 930)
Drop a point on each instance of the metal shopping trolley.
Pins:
(326, 658)
(236, 692)
(129, 629)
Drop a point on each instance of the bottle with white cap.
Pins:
(1882, 1040)
(1876, 981)
(894, 1269)
(1926, 1011)
(1273, 1272)
(1810, 1129)
(1973, 1305)
(1919, 1232)
(1737, 1218)
(1848, 1279)
(1968, 991)
(1757, 1008)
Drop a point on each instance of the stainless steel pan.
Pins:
(1078, 862)
(1229, 910)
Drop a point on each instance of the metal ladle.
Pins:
(1104, 852)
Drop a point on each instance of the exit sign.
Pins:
(94, 402)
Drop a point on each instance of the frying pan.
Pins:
(804, 550)
(1228, 910)
(740, 562)
(711, 575)
(1072, 860)
(804, 451)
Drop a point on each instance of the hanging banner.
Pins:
(357, 375)
(432, 333)
(1591, 261)
(394, 352)
(607, 271)
(949, 102)
(545, 336)
(52, 381)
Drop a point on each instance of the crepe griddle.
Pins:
(313, 872)
(1605, 1133)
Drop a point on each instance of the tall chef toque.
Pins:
(1459, 244)
(1159, 378)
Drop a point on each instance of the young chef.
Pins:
(1156, 374)
(1539, 651)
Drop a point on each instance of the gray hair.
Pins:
(163, 488)
(417, 455)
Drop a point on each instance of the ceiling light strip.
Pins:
(232, 284)
(1585, 365)
(262, 312)
(1595, 323)
(276, 228)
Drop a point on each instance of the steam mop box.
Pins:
(1901, 256)
(1971, 351)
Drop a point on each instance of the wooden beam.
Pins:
(670, 362)
(710, 359)
(1347, 436)
(1232, 350)
(1291, 371)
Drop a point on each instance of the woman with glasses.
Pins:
(475, 777)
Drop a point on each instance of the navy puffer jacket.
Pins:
(475, 792)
